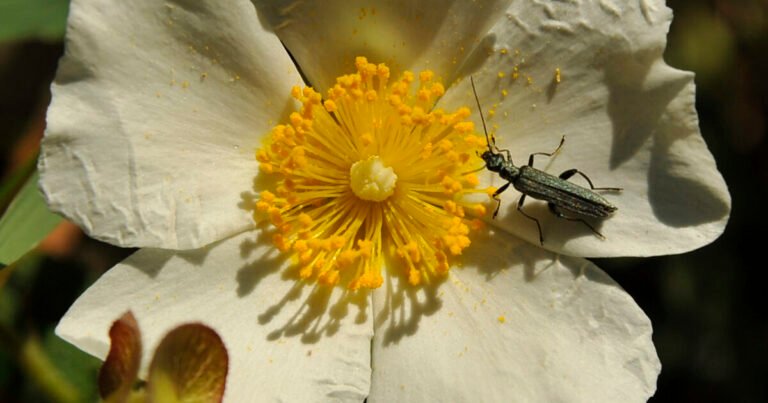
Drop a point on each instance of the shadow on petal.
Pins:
(584, 268)
(153, 260)
(477, 58)
(650, 100)
(501, 251)
(400, 307)
(403, 307)
(150, 262)
(406, 35)
(676, 197)
(196, 257)
(374, 33)
(251, 274)
(320, 314)
(635, 105)
(556, 231)
(318, 310)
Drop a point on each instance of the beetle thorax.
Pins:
(509, 171)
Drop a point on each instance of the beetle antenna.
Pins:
(480, 108)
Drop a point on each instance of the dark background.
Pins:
(707, 307)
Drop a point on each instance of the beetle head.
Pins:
(493, 161)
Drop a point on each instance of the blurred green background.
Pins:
(709, 318)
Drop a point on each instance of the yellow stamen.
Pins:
(372, 170)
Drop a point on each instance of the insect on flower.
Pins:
(559, 194)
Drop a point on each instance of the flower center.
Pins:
(338, 207)
(371, 180)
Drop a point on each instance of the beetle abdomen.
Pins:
(563, 194)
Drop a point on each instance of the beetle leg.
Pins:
(569, 173)
(505, 151)
(498, 199)
(520, 209)
(530, 157)
(559, 214)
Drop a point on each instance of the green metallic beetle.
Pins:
(559, 194)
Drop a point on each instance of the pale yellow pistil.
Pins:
(372, 170)
(371, 180)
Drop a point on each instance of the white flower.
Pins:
(159, 106)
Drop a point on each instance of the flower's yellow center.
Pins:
(372, 172)
(371, 180)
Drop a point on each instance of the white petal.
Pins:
(568, 334)
(326, 36)
(157, 109)
(283, 341)
(629, 121)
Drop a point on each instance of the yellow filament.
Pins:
(371, 171)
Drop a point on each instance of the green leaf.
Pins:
(39, 19)
(14, 181)
(75, 366)
(26, 222)
(38, 366)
